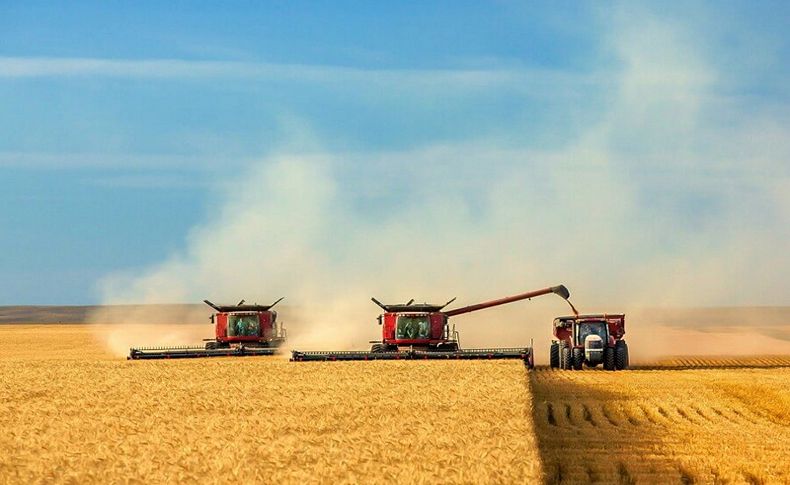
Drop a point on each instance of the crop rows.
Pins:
(707, 426)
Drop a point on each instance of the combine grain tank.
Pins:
(240, 330)
(422, 331)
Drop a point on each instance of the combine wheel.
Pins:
(621, 355)
(211, 345)
(608, 358)
(377, 348)
(578, 358)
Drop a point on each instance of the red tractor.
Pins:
(589, 340)
(422, 331)
(240, 330)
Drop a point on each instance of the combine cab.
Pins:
(589, 340)
(240, 330)
(422, 331)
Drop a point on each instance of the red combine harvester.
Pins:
(422, 331)
(589, 340)
(240, 330)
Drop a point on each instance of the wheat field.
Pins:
(72, 413)
(98, 419)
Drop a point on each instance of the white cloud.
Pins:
(528, 78)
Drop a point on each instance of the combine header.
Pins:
(240, 330)
(422, 331)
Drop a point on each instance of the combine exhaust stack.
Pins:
(240, 330)
(420, 331)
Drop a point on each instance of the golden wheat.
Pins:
(99, 419)
(70, 412)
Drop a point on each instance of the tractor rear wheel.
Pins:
(565, 357)
(554, 355)
(621, 355)
(578, 358)
(608, 358)
(560, 347)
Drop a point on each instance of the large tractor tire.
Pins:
(377, 348)
(554, 355)
(608, 358)
(621, 355)
(578, 358)
(211, 345)
(565, 357)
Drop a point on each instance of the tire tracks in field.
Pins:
(584, 420)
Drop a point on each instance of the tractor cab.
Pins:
(595, 330)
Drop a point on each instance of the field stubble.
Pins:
(664, 426)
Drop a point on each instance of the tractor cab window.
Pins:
(592, 328)
(243, 325)
(413, 327)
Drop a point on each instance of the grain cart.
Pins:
(422, 331)
(239, 330)
(589, 340)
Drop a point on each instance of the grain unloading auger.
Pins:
(422, 331)
(240, 330)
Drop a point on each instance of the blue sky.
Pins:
(125, 127)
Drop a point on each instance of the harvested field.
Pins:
(664, 426)
(72, 412)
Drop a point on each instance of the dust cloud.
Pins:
(648, 206)
(121, 327)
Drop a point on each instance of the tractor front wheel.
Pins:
(211, 345)
(578, 358)
(608, 358)
(377, 348)
(554, 355)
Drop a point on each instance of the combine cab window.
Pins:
(592, 328)
(243, 326)
(413, 327)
